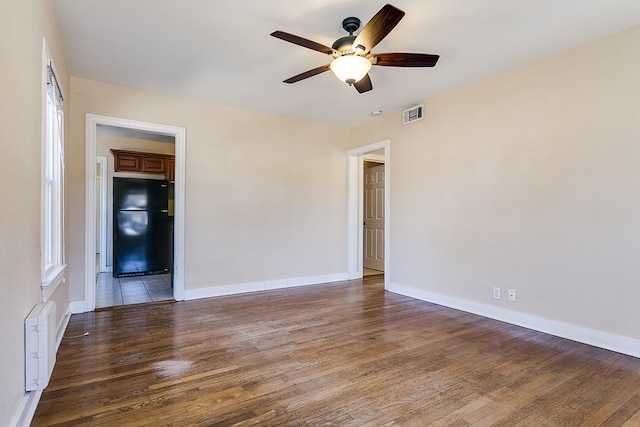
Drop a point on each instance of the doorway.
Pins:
(378, 152)
(138, 244)
(91, 240)
(373, 221)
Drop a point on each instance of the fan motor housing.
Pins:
(343, 43)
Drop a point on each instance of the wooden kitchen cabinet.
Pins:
(171, 170)
(138, 161)
(125, 162)
(153, 164)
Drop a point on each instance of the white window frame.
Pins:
(52, 166)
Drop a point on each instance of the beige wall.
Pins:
(23, 24)
(265, 196)
(527, 180)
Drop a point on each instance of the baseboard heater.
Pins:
(40, 345)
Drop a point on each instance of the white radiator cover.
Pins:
(40, 345)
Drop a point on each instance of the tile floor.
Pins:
(112, 291)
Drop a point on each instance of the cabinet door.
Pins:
(153, 165)
(171, 170)
(127, 163)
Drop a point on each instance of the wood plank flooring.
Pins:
(347, 354)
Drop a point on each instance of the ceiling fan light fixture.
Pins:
(350, 68)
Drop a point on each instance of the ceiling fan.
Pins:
(352, 54)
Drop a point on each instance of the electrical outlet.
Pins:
(496, 292)
(512, 294)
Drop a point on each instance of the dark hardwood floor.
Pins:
(346, 353)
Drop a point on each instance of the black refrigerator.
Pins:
(142, 227)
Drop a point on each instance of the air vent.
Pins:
(412, 114)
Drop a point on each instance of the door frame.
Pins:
(355, 209)
(179, 133)
(103, 211)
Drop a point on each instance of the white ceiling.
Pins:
(221, 52)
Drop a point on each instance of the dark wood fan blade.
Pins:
(307, 74)
(378, 27)
(405, 59)
(364, 84)
(300, 41)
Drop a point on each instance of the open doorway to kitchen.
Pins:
(136, 239)
(378, 152)
(177, 137)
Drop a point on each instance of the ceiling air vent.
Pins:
(413, 114)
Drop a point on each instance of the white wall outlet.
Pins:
(496, 292)
(512, 294)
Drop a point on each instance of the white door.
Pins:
(374, 218)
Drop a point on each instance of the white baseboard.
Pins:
(618, 343)
(241, 288)
(63, 327)
(28, 410)
(76, 307)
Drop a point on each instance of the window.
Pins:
(53, 179)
